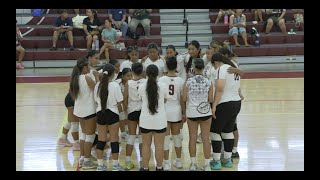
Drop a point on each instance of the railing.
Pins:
(186, 23)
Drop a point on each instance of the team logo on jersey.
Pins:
(203, 108)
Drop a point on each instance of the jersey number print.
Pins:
(171, 89)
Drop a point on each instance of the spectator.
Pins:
(21, 51)
(238, 26)
(140, 16)
(63, 29)
(109, 35)
(92, 27)
(223, 12)
(118, 18)
(274, 16)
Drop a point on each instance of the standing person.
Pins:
(171, 52)
(73, 124)
(173, 112)
(116, 65)
(198, 94)
(118, 18)
(194, 52)
(154, 58)
(132, 57)
(108, 96)
(225, 108)
(133, 105)
(125, 77)
(21, 51)
(81, 90)
(153, 119)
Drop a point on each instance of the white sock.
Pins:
(64, 136)
(128, 158)
(100, 162)
(235, 149)
(126, 128)
(227, 155)
(86, 159)
(82, 157)
(216, 156)
(178, 159)
(206, 162)
(114, 162)
(167, 161)
(193, 160)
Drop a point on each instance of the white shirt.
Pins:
(175, 87)
(114, 97)
(127, 64)
(191, 71)
(84, 104)
(232, 84)
(160, 63)
(210, 73)
(181, 70)
(134, 100)
(198, 97)
(159, 119)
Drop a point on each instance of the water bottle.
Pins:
(92, 46)
(97, 45)
(257, 43)
(226, 19)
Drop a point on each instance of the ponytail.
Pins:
(74, 81)
(152, 88)
(103, 91)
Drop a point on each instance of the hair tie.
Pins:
(105, 72)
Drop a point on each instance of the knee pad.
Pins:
(177, 141)
(166, 145)
(83, 136)
(114, 147)
(90, 138)
(215, 137)
(131, 139)
(227, 135)
(74, 126)
(101, 144)
(67, 125)
(140, 139)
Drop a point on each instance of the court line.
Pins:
(266, 113)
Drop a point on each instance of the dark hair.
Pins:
(226, 51)
(95, 13)
(219, 43)
(91, 53)
(199, 63)
(137, 68)
(130, 49)
(172, 63)
(74, 81)
(60, 11)
(108, 20)
(125, 71)
(221, 58)
(173, 48)
(103, 86)
(197, 45)
(153, 46)
(113, 62)
(152, 88)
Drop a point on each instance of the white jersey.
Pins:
(160, 63)
(91, 74)
(191, 71)
(181, 70)
(173, 103)
(159, 119)
(114, 97)
(198, 97)
(232, 84)
(119, 81)
(127, 64)
(134, 100)
(210, 73)
(84, 104)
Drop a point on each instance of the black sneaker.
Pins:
(53, 48)
(161, 169)
(235, 155)
(71, 48)
(142, 169)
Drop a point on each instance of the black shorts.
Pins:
(90, 116)
(145, 131)
(200, 118)
(134, 116)
(235, 128)
(68, 101)
(63, 36)
(99, 36)
(107, 117)
(226, 114)
(175, 122)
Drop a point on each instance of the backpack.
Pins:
(37, 12)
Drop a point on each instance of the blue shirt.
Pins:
(66, 22)
(109, 35)
(117, 14)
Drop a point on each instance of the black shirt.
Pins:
(96, 22)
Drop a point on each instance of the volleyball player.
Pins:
(154, 58)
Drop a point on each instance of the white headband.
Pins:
(105, 72)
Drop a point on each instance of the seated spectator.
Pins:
(19, 49)
(238, 26)
(63, 29)
(118, 18)
(92, 27)
(109, 36)
(274, 16)
(223, 12)
(140, 16)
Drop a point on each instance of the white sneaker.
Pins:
(199, 140)
(178, 164)
(193, 167)
(206, 168)
(167, 166)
